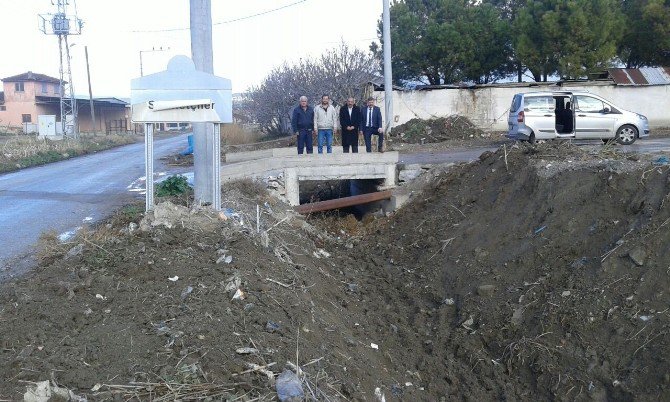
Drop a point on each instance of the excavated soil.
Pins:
(535, 273)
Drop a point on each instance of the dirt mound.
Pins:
(509, 283)
(536, 273)
(420, 131)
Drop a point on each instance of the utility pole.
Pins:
(203, 133)
(388, 73)
(90, 92)
(62, 25)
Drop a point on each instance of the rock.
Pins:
(480, 254)
(517, 316)
(638, 255)
(565, 293)
(486, 290)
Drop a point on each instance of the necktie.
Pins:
(370, 117)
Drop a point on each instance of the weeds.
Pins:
(20, 151)
(233, 134)
(173, 185)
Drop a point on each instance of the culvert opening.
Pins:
(316, 191)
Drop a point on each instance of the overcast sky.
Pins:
(116, 31)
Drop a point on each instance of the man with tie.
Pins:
(371, 123)
(350, 121)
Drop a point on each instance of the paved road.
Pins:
(65, 195)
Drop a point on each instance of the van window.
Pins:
(588, 104)
(516, 102)
(539, 103)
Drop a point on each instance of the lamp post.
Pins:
(153, 49)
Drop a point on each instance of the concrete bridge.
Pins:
(295, 168)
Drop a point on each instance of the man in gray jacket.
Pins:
(325, 122)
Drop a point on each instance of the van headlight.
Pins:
(641, 117)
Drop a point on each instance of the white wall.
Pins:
(488, 107)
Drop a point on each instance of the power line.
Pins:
(230, 21)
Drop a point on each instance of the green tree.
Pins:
(445, 41)
(590, 32)
(646, 38)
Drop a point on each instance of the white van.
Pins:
(572, 114)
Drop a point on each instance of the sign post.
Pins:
(182, 95)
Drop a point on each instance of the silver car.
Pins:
(572, 114)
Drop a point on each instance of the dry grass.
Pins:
(234, 134)
(20, 150)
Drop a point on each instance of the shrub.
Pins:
(173, 185)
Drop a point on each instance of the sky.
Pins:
(115, 32)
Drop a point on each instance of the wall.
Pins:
(488, 107)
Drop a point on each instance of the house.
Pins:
(28, 95)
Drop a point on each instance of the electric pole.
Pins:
(90, 92)
(388, 73)
(61, 24)
(203, 133)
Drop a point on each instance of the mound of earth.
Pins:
(535, 273)
(420, 131)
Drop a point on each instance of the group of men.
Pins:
(324, 121)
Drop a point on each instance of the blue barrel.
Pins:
(188, 150)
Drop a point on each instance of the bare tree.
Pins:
(340, 73)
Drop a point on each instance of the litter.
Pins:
(173, 279)
(186, 292)
(246, 351)
(662, 160)
(239, 295)
(289, 386)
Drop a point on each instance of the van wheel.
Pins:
(626, 134)
(531, 138)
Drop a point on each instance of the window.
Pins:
(18, 86)
(26, 118)
(539, 103)
(45, 88)
(3, 108)
(516, 102)
(57, 89)
(587, 104)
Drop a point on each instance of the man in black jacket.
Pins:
(302, 123)
(350, 121)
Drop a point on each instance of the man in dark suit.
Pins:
(371, 123)
(350, 121)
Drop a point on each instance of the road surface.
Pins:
(66, 195)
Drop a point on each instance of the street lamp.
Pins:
(153, 49)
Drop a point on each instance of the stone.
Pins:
(517, 316)
(638, 255)
(486, 290)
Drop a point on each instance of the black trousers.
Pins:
(350, 140)
(368, 132)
